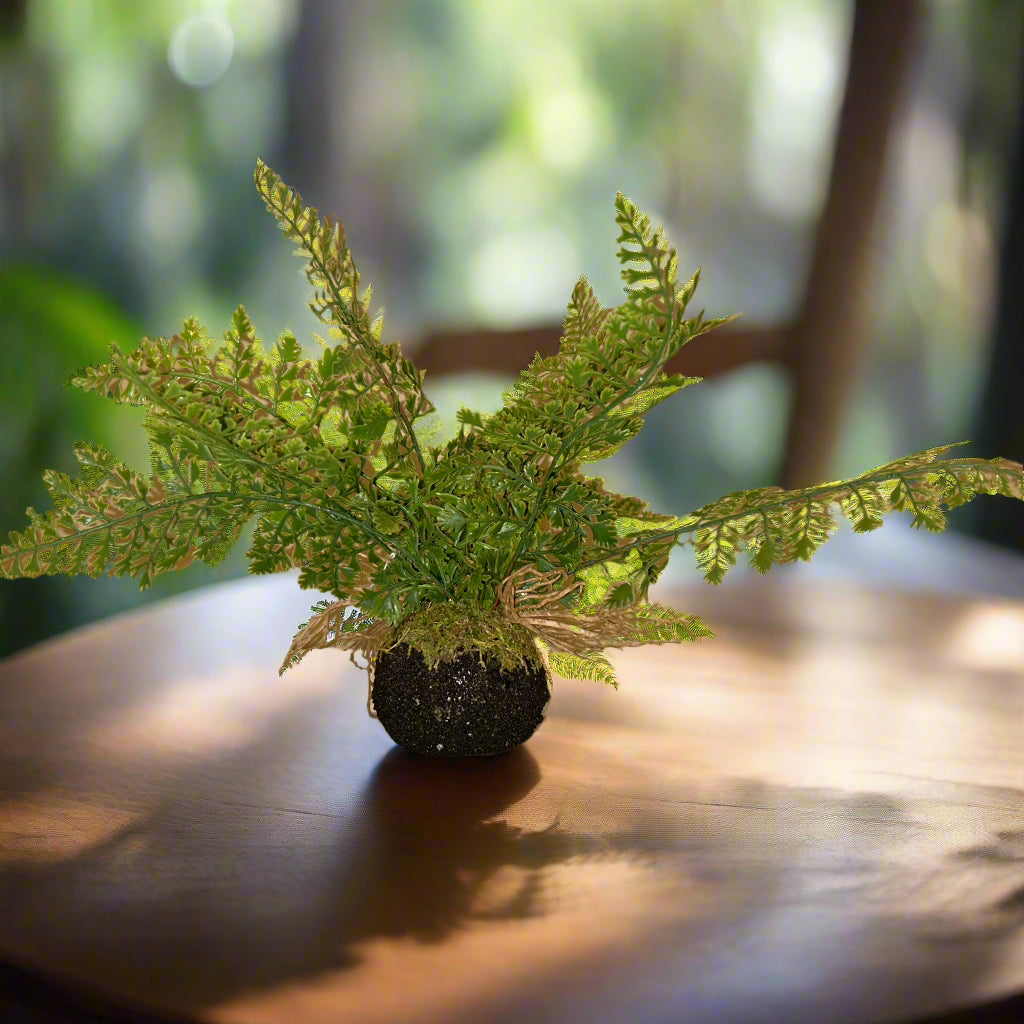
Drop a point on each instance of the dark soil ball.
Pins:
(459, 708)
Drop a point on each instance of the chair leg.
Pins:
(829, 335)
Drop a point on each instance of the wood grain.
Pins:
(819, 815)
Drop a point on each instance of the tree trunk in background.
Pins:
(326, 78)
(310, 156)
(26, 130)
(999, 414)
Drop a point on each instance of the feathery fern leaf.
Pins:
(336, 301)
(779, 526)
(114, 519)
(338, 461)
(584, 403)
(657, 624)
(589, 665)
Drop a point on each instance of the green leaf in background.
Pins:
(49, 326)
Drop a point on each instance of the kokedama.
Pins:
(466, 572)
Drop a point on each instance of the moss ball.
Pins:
(464, 707)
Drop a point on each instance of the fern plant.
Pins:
(339, 462)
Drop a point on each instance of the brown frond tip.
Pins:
(332, 627)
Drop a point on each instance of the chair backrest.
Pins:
(821, 348)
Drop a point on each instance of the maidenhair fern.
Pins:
(339, 463)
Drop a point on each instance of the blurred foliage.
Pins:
(478, 145)
(50, 327)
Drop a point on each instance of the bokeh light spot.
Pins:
(201, 48)
(793, 106)
(567, 127)
(169, 211)
(523, 274)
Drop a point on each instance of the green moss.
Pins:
(442, 631)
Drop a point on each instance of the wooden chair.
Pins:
(821, 348)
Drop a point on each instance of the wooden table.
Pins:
(817, 817)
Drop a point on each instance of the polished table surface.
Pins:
(817, 816)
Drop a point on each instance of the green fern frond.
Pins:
(323, 244)
(234, 433)
(652, 624)
(588, 666)
(779, 526)
(332, 272)
(339, 464)
(658, 624)
(113, 519)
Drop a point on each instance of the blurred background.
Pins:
(473, 149)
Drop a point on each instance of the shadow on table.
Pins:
(206, 898)
(221, 893)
